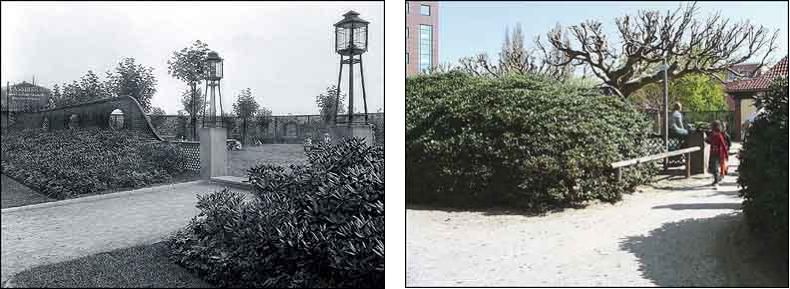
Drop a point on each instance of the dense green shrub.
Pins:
(518, 141)
(762, 173)
(315, 225)
(66, 163)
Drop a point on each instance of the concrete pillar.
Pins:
(213, 152)
(699, 159)
(346, 130)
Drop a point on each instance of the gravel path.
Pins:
(33, 236)
(672, 233)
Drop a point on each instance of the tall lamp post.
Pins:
(351, 41)
(213, 76)
(665, 67)
(213, 135)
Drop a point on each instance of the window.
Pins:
(425, 10)
(407, 58)
(407, 32)
(426, 46)
(407, 7)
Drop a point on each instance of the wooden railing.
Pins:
(686, 151)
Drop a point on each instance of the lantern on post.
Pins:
(214, 70)
(351, 41)
(213, 135)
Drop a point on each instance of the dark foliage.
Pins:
(763, 168)
(66, 163)
(314, 225)
(522, 141)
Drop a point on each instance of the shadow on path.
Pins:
(703, 253)
(491, 211)
(671, 188)
(701, 206)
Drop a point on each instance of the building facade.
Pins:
(422, 36)
(24, 96)
(21, 97)
(745, 91)
(744, 71)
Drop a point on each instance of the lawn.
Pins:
(276, 154)
(15, 194)
(142, 267)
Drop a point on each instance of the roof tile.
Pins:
(762, 82)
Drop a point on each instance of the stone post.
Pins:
(349, 130)
(699, 159)
(213, 152)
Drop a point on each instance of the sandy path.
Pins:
(38, 236)
(670, 234)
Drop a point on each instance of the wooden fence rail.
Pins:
(686, 151)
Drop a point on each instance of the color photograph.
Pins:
(596, 144)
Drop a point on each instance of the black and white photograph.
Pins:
(192, 144)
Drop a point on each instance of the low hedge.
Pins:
(762, 173)
(320, 224)
(517, 141)
(67, 163)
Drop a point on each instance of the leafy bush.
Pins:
(517, 141)
(66, 163)
(315, 225)
(763, 168)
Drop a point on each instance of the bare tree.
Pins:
(687, 43)
(514, 57)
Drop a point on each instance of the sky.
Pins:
(469, 28)
(283, 51)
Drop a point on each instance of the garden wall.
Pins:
(274, 129)
(94, 114)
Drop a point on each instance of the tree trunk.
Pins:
(244, 132)
(194, 114)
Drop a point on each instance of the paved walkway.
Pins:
(673, 233)
(60, 231)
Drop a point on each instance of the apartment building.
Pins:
(422, 36)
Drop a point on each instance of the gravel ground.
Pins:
(43, 235)
(674, 232)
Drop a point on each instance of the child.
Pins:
(725, 165)
(719, 147)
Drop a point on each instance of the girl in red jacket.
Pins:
(719, 147)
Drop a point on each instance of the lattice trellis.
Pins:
(192, 150)
(655, 144)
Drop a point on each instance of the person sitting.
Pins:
(677, 128)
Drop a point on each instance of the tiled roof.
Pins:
(760, 83)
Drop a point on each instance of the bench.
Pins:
(686, 151)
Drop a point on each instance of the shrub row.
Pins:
(762, 173)
(519, 141)
(320, 224)
(66, 163)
